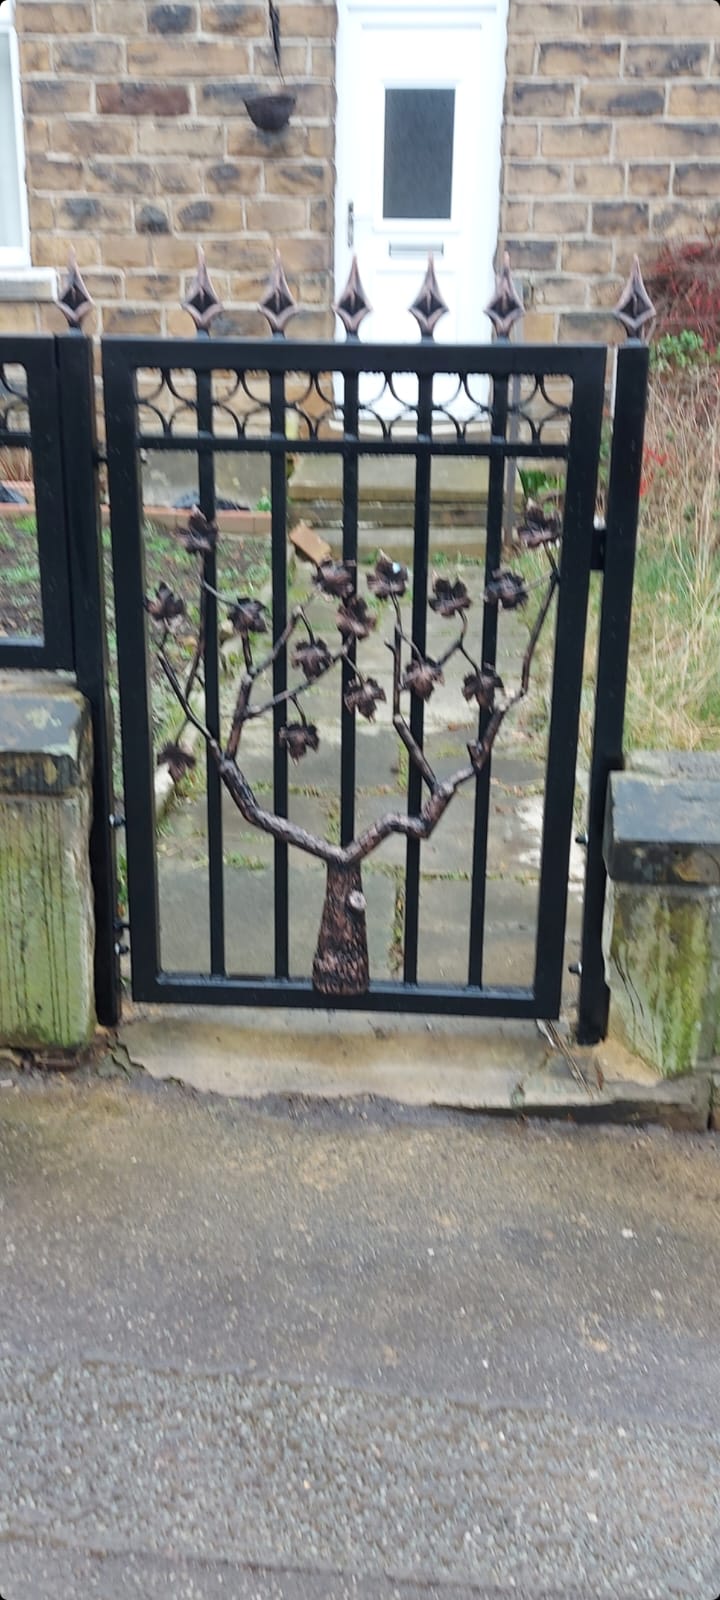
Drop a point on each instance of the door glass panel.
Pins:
(419, 132)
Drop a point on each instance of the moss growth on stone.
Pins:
(46, 898)
(664, 981)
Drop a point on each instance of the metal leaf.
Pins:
(336, 578)
(299, 737)
(506, 589)
(200, 535)
(388, 579)
(313, 656)
(364, 696)
(165, 606)
(248, 615)
(354, 619)
(449, 599)
(177, 760)
(422, 677)
(481, 685)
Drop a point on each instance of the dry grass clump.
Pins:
(674, 679)
(673, 690)
(15, 465)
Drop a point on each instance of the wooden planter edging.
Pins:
(256, 524)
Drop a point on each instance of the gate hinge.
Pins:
(599, 541)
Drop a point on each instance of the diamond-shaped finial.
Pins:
(277, 304)
(352, 306)
(429, 306)
(506, 306)
(635, 309)
(202, 303)
(75, 301)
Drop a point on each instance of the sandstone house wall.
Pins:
(139, 146)
(611, 144)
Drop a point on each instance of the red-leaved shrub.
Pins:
(684, 283)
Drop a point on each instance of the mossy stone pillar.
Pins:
(662, 917)
(46, 897)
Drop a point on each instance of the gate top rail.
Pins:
(326, 355)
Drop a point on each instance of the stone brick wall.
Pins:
(611, 143)
(139, 147)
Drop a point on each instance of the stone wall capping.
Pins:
(663, 829)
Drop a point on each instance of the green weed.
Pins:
(244, 863)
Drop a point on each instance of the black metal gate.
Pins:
(511, 402)
(423, 404)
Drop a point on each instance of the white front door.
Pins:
(420, 89)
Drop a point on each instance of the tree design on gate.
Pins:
(341, 965)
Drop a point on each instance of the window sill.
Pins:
(28, 283)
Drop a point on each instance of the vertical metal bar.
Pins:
(421, 561)
(278, 479)
(44, 407)
(612, 664)
(493, 558)
(350, 552)
(580, 492)
(211, 673)
(78, 433)
(126, 518)
(511, 471)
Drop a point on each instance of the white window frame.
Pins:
(16, 255)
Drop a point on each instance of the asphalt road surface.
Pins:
(286, 1352)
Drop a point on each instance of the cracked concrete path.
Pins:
(295, 1352)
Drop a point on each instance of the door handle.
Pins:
(351, 224)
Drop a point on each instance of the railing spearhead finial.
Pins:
(277, 304)
(202, 303)
(506, 307)
(635, 309)
(75, 300)
(352, 306)
(429, 306)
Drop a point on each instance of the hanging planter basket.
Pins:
(271, 112)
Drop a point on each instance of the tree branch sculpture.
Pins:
(341, 965)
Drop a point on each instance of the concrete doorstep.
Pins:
(506, 1069)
